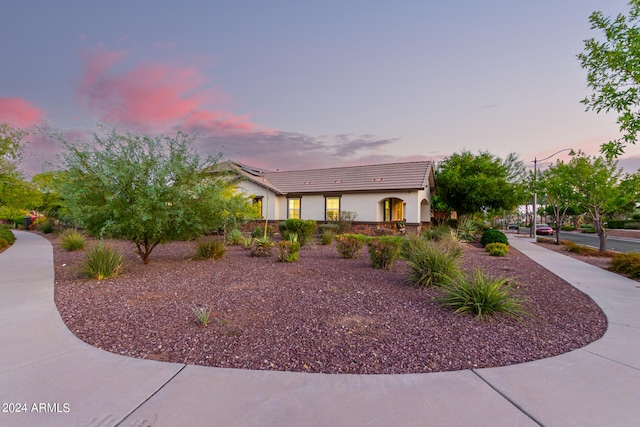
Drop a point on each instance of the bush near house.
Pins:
(349, 245)
(305, 229)
(492, 235)
(497, 249)
(384, 250)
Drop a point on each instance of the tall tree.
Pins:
(602, 189)
(149, 190)
(470, 183)
(558, 185)
(16, 194)
(613, 73)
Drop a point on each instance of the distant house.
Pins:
(380, 195)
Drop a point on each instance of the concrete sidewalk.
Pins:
(41, 362)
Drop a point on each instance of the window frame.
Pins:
(326, 207)
(290, 209)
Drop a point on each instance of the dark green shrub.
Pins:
(3, 243)
(482, 295)
(384, 250)
(305, 229)
(430, 263)
(615, 223)
(349, 245)
(492, 235)
(7, 236)
(210, 249)
(497, 249)
(627, 263)
(46, 227)
(72, 240)
(289, 250)
(102, 262)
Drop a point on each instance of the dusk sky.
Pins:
(296, 84)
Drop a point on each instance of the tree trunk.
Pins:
(602, 234)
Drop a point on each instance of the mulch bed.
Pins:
(322, 314)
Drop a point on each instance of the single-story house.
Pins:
(379, 195)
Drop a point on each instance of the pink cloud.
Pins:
(154, 96)
(19, 112)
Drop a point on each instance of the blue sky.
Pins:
(291, 84)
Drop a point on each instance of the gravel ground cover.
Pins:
(322, 314)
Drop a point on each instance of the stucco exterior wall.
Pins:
(368, 206)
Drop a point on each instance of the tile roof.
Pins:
(390, 176)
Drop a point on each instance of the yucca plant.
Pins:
(430, 263)
(262, 246)
(102, 262)
(247, 243)
(234, 237)
(72, 240)
(468, 230)
(289, 250)
(482, 295)
(210, 249)
(202, 314)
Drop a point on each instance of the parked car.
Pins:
(512, 226)
(544, 229)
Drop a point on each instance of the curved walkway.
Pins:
(61, 381)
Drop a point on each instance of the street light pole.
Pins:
(532, 232)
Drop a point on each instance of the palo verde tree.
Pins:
(469, 183)
(149, 190)
(602, 190)
(612, 63)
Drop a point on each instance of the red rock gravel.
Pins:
(322, 314)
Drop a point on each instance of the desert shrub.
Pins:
(259, 231)
(327, 237)
(289, 250)
(436, 233)
(3, 243)
(7, 236)
(430, 263)
(305, 229)
(384, 232)
(349, 245)
(210, 249)
(345, 221)
(46, 227)
(492, 235)
(468, 230)
(384, 250)
(202, 314)
(482, 295)
(627, 263)
(234, 237)
(247, 243)
(262, 246)
(328, 228)
(576, 248)
(72, 240)
(568, 227)
(102, 262)
(497, 249)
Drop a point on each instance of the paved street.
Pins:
(618, 244)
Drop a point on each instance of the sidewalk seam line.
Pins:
(611, 360)
(149, 397)
(508, 399)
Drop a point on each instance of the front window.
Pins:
(332, 208)
(387, 209)
(294, 208)
(257, 204)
